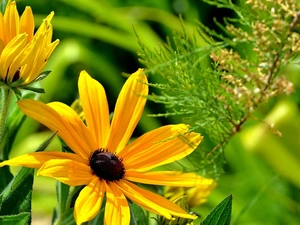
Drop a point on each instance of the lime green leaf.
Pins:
(19, 219)
(137, 215)
(221, 214)
(16, 197)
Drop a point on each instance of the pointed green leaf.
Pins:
(34, 89)
(19, 219)
(42, 76)
(221, 214)
(45, 144)
(16, 197)
(137, 215)
(16, 83)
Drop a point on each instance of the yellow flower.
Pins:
(194, 196)
(23, 54)
(103, 160)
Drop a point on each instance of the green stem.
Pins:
(4, 104)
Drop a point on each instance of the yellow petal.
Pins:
(170, 178)
(10, 52)
(197, 195)
(95, 107)
(45, 24)
(67, 171)
(2, 31)
(151, 201)
(160, 146)
(128, 110)
(11, 18)
(89, 201)
(27, 23)
(26, 55)
(69, 130)
(34, 67)
(37, 159)
(73, 119)
(2, 75)
(116, 208)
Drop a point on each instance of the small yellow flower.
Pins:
(194, 196)
(23, 54)
(103, 160)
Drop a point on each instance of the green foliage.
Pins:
(213, 79)
(137, 215)
(221, 214)
(3, 4)
(217, 86)
(19, 219)
(15, 201)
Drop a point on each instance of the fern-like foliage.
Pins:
(215, 87)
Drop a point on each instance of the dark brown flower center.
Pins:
(107, 165)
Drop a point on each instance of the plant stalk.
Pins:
(6, 93)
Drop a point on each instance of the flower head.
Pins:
(23, 53)
(103, 160)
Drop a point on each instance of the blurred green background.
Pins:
(262, 171)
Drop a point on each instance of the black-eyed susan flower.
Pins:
(103, 160)
(23, 53)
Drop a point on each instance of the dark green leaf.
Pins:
(34, 89)
(16, 197)
(137, 215)
(19, 219)
(6, 177)
(221, 214)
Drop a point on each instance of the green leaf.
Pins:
(45, 144)
(62, 196)
(16, 197)
(6, 177)
(137, 215)
(221, 214)
(99, 219)
(19, 219)
(42, 76)
(66, 202)
(34, 89)
(17, 92)
(67, 218)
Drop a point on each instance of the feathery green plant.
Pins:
(216, 87)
